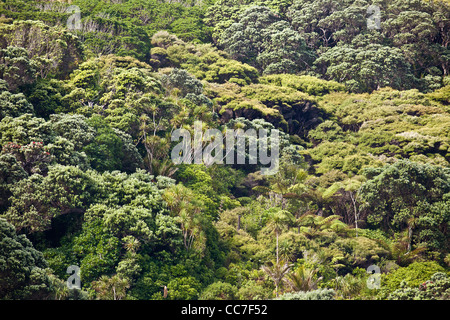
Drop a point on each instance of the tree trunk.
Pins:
(356, 213)
(277, 251)
(409, 237)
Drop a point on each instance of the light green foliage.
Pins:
(96, 251)
(217, 67)
(204, 61)
(111, 288)
(292, 111)
(437, 288)
(24, 129)
(219, 291)
(123, 221)
(413, 275)
(361, 251)
(183, 288)
(319, 294)
(52, 50)
(86, 118)
(253, 290)
(327, 130)
(442, 95)
(119, 79)
(308, 84)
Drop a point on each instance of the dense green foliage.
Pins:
(87, 109)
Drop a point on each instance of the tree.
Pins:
(412, 276)
(318, 294)
(277, 270)
(33, 157)
(416, 28)
(16, 68)
(181, 79)
(366, 67)
(13, 105)
(23, 270)
(437, 288)
(303, 279)
(219, 291)
(183, 288)
(349, 192)
(314, 225)
(35, 201)
(285, 51)
(261, 39)
(111, 288)
(186, 208)
(407, 192)
(11, 172)
(276, 221)
(106, 149)
(24, 129)
(53, 50)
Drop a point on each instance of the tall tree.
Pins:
(261, 39)
(409, 195)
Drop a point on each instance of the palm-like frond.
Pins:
(303, 279)
(277, 271)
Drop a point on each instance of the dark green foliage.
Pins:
(184, 82)
(106, 149)
(12, 105)
(366, 68)
(22, 268)
(261, 39)
(87, 117)
(51, 50)
(16, 68)
(437, 288)
(37, 200)
(413, 196)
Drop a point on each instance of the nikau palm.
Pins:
(277, 270)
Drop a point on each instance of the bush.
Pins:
(437, 288)
(308, 84)
(219, 291)
(319, 294)
(412, 276)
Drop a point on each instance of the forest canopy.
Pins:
(91, 93)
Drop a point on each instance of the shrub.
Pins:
(319, 294)
(219, 291)
(437, 288)
(412, 275)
